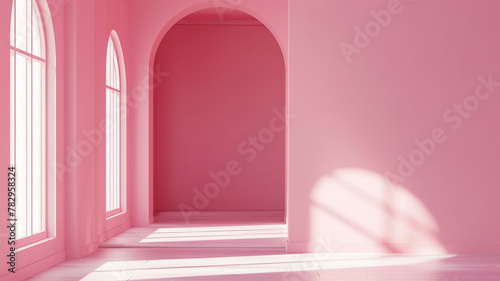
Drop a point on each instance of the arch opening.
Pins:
(218, 107)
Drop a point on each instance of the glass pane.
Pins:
(108, 147)
(37, 33)
(21, 25)
(117, 150)
(113, 154)
(20, 153)
(37, 146)
(112, 63)
(29, 152)
(44, 146)
(112, 151)
(12, 106)
(112, 70)
(108, 65)
(116, 72)
(12, 24)
(28, 24)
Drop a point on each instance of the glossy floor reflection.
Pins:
(269, 264)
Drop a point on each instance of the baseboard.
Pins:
(35, 268)
(113, 232)
(88, 249)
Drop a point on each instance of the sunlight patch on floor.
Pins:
(223, 266)
(215, 233)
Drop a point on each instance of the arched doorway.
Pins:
(219, 126)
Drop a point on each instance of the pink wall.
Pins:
(149, 22)
(5, 10)
(355, 119)
(222, 86)
(89, 24)
(113, 15)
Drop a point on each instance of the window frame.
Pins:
(115, 84)
(34, 15)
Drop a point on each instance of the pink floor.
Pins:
(250, 246)
(269, 264)
(213, 230)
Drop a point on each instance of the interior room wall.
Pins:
(394, 147)
(112, 15)
(218, 105)
(88, 27)
(5, 10)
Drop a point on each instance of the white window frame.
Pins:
(28, 128)
(115, 127)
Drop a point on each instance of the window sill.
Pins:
(115, 215)
(34, 244)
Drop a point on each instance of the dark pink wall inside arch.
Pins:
(222, 86)
(149, 22)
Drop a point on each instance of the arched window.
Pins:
(114, 102)
(29, 119)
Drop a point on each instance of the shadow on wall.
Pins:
(357, 210)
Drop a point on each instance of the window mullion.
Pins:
(28, 54)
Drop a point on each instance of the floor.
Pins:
(268, 264)
(251, 248)
(208, 230)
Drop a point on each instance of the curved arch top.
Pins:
(206, 5)
(121, 60)
(48, 28)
